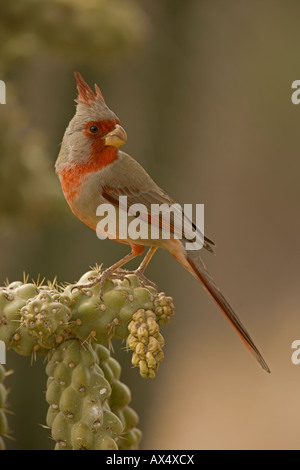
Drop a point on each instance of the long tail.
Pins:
(196, 267)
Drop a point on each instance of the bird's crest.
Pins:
(85, 94)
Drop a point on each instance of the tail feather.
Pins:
(197, 268)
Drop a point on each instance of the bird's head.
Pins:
(93, 128)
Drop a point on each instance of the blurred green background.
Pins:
(203, 89)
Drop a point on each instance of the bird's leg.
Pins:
(139, 272)
(110, 272)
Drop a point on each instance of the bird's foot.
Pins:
(140, 275)
(109, 273)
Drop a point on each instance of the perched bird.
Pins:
(93, 171)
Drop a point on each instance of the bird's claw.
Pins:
(118, 274)
(139, 273)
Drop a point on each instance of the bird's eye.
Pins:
(94, 129)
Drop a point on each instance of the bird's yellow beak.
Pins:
(116, 137)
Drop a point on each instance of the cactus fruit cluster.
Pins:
(73, 327)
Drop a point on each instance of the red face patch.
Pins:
(98, 129)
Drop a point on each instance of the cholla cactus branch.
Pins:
(88, 404)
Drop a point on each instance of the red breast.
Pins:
(72, 177)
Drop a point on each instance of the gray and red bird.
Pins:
(93, 171)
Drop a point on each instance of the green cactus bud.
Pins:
(3, 395)
(120, 395)
(22, 290)
(70, 403)
(47, 318)
(108, 373)
(102, 352)
(61, 430)
(131, 436)
(51, 415)
(63, 374)
(2, 373)
(24, 343)
(114, 367)
(14, 331)
(3, 423)
(111, 423)
(12, 299)
(81, 437)
(131, 418)
(105, 442)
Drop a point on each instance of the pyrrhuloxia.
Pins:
(93, 171)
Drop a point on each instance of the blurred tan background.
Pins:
(203, 89)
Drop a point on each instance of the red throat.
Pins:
(73, 176)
